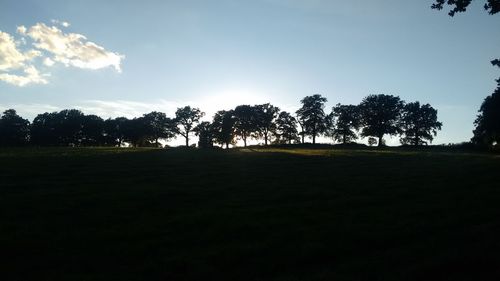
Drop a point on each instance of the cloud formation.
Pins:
(12, 59)
(31, 76)
(63, 23)
(71, 49)
(51, 45)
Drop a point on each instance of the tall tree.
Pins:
(14, 130)
(223, 127)
(69, 127)
(487, 130)
(312, 115)
(266, 123)
(187, 118)
(43, 129)
(114, 131)
(62, 128)
(380, 115)
(159, 126)
(286, 128)
(346, 121)
(246, 122)
(92, 130)
(204, 131)
(419, 123)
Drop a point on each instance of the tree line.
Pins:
(375, 117)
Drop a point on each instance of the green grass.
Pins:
(249, 214)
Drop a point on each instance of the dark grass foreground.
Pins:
(280, 214)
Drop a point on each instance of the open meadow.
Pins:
(248, 214)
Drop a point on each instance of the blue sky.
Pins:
(218, 54)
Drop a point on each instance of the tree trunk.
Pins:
(343, 139)
(227, 145)
(245, 141)
(265, 138)
(380, 140)
(302, 136)
(187, 140)
(314, 138)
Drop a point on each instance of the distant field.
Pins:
(250, 214)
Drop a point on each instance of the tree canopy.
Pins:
(186, 119)
(246, 123)
(266, 124)
(223, 127)
(286, 128)
(458, 6)
(487, 130)
(312, 116)
(380, 115)
(375, 116)
(159, 126)
(205, 134)
(14, 130)
(346, 121)
(419, 123)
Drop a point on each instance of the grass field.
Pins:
(250, 214)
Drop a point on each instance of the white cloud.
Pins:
(72, 49)
(12, 59)
(48, 62)
(17, 66)
(62, 23)
(21, 29)
(32, 76)
(10, 56)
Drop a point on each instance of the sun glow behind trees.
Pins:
(263, 123)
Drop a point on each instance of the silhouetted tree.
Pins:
(492, 6)
(159, 126)
(380, 115)
(267, 114)
(62, 128)
(43, 129)
(419, 123)
(345, 123)
(187, 118)
(69, 127)
(114, 131)
(135, 132)
(92, 130)
(487, 131)
(286, 128)
(312, 116)
(223, 127)
(246, 122)
(204, 131)
(14, 130)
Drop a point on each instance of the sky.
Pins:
(126, 58)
